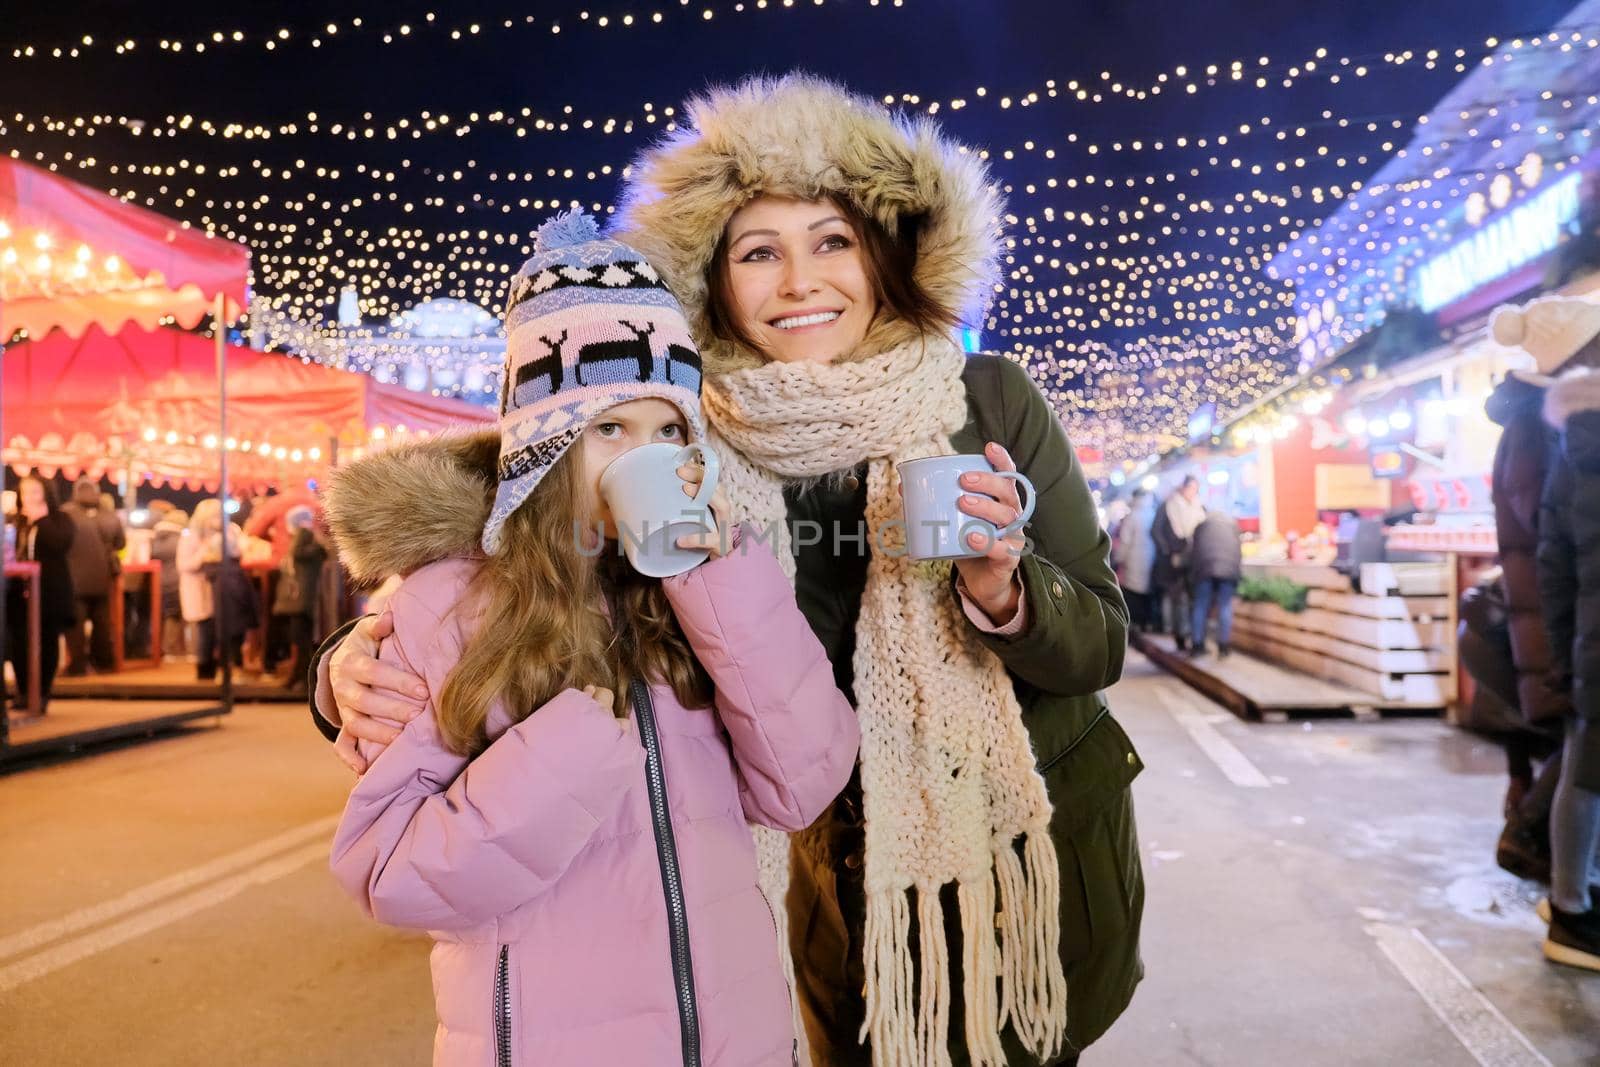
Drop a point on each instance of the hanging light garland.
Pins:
(1132, 291)
(429, 26)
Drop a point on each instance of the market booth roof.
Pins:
(72, 257)
(147, 401)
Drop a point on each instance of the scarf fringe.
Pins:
(1033, 985)
(933, 1020)
(772, 865)
(886, 952)
(980, 967)
(908, 998)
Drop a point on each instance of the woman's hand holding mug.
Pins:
(991, 578)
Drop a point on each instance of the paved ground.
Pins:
(1319, 895)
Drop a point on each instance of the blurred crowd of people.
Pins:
(86, 550)
(1177, 561)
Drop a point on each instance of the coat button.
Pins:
(852, 483)
(1132, 760)
(1055, 587)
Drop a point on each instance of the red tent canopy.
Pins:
(147, 402)
(72, 257)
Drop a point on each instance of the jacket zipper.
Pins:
(502, 1009)
(671, 880)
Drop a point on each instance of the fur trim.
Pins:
(413, 504)
(1573, 392)
(805, 137)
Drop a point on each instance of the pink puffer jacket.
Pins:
(585, 910)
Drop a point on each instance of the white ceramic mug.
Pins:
(649, 510)
(936, 527)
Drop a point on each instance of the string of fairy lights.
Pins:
(1144, 274)
(428, 28)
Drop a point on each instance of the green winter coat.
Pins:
(1072, 650)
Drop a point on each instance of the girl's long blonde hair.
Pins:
(545, 626)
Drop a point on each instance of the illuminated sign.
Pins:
(1387, 461)
(1507, 242)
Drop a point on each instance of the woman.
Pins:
(164, 548)
(295, 598)
(1569, 589)
(1134, 555)
(824, 254)
(203, 579)
(44, 536)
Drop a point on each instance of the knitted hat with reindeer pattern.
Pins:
(589, 325)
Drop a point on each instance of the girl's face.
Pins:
(615, 431)
(800, 286)
(31, 497)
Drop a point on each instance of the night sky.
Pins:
(1101, 358)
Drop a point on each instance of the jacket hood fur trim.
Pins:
(410, 505)
(801, 136)
(1574, 392)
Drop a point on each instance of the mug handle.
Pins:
(1027, 508)
(713, 466)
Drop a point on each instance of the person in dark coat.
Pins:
(94, 567)
(1569, 587)
(1521, 461)
(1174, 525)
(294, 603)
(1134, 556)
(44, 536)
(164, 548)
(1216, 562)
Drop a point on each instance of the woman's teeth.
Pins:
(806, 320)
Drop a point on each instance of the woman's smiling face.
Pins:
(800, 285)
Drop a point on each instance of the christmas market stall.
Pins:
(74, 260)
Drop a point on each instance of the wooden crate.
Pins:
(1405, 579)
(1374, 633)
(1399, 649)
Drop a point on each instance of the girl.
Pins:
(568, 815)
(202, 579)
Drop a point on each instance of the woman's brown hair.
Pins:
(891, 263)
(545, 627)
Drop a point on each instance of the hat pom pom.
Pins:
(565, 230)
(1508, 327)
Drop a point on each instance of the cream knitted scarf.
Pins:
(949, 784)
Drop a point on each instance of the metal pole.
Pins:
(220, 615)
(5, 649)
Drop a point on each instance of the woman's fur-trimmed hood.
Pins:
(413, 504)
(1576, 391)
(1572, 407)
(804, 137)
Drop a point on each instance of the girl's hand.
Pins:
(991, 578)
(713, 541)
(602, 696)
